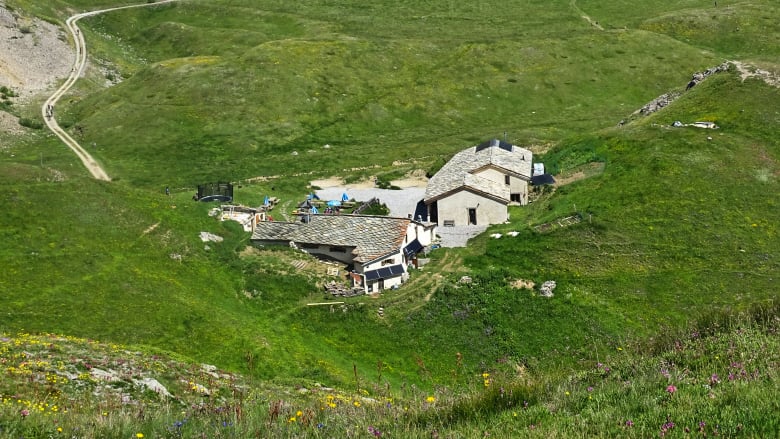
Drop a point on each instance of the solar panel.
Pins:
(384, 272)
(413, 248)
(495, 142)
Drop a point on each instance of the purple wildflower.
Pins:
(666, 427)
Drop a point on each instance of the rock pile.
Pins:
(341, 290)
(659, 102)
(667, 98)
(547, 288)
(701, 76)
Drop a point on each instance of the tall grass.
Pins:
(688, 387)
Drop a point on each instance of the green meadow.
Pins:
(678, 230)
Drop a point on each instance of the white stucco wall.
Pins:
(397, 258)
(373, 286)
(424, 234)
(516, 185)
(492, 174)
(455, 208)
(325, 251)
(519, 186)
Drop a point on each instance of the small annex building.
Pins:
(477, 184)
(379, 249)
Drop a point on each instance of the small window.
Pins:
(388, 261)
(506, 179)
(310, 246)
(516, 197)
(338, 250)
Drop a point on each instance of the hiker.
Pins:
(167, 191)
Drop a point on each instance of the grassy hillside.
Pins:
(241, 94)
(721, 378)
(676, 226)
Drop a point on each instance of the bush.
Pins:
(31, 123)
(376, 209)
(6, 92)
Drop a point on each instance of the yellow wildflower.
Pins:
(430, 399)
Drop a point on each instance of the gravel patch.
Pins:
(9, 124)
(400, 202)
(33, 54)
(458, 236)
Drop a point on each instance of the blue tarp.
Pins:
(266, 201)
(333, 203)
(314, 209)
(344, 197)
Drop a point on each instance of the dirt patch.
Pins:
(328, 182)
(748, 71)
(410, 182)
(522, 283)
(150, 229)
(337, 182)
(416, 178)
(249, 250)
(579, 173)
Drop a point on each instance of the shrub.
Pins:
(7, 92)
(376, 209)
(31, 123)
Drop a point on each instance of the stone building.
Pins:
(477, 184)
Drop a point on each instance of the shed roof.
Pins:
(370, 236)
(458, 172)
(541, 179)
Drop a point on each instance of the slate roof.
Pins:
(458, 172)
(371, 236)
